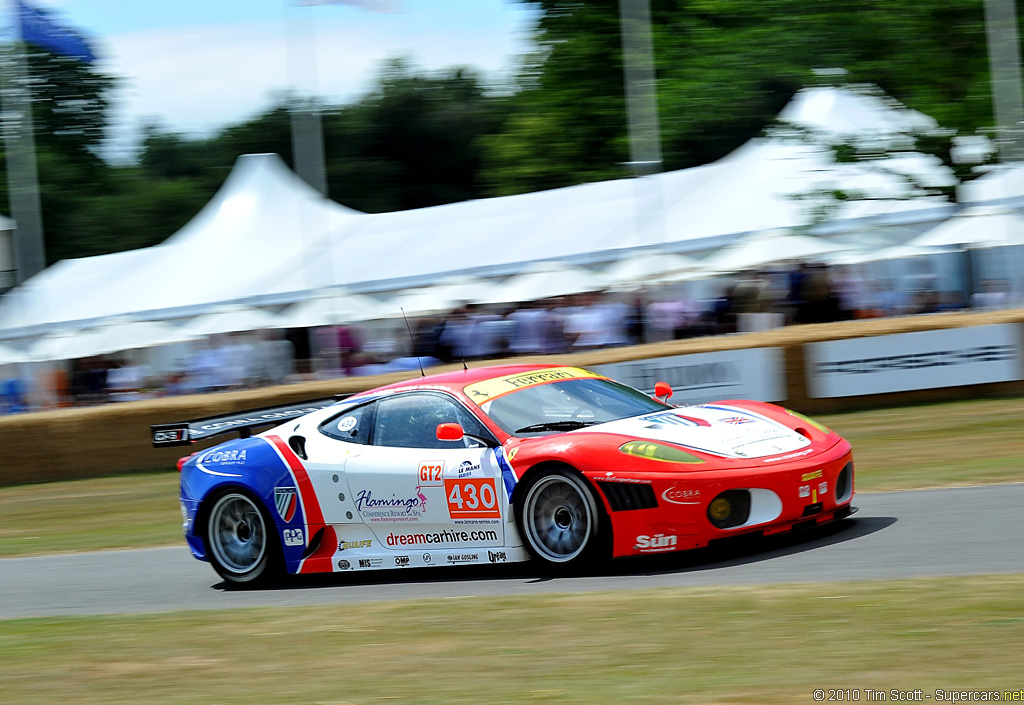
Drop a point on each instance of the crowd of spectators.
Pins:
(760, 300)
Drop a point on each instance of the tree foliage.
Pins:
(724, 70)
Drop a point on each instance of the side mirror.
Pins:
(663, 389)
(450, 432)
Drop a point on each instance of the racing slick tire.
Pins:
(561, 521)
(241, 541)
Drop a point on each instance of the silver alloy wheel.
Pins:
(237, 535)
(559, 517)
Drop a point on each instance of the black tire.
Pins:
(560, 520)
(241, 541)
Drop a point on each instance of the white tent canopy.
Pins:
(106, 339)
(770, 247)
(267, 238)
(331, 308)
(648, 266)
(262, 216)
(230, 319)
(545, 280)
(978, 226)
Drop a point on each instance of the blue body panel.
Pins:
(248, 463)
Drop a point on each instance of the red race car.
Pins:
(556, 464)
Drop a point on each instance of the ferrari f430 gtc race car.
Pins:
(558, 465)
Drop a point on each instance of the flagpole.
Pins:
(19, 142)
(307, 130)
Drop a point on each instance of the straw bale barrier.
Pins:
(114, 438)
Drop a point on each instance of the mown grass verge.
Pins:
(936, 445)
(757, 645)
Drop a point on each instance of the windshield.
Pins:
(567, 405)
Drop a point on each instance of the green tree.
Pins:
(413, 142)
(724, 70)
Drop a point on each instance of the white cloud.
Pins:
(196, 80)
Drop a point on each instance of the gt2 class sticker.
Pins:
(472, 498)
(431, 473)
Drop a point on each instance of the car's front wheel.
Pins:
(560, 519)
(242, 545)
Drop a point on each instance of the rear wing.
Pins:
(184, 433)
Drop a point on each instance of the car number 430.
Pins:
(472, 498)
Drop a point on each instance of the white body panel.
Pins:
(408, 507)
(721, 430)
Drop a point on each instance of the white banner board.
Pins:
(756, 373)
(907, 361)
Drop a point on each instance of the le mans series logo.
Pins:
(286, 500)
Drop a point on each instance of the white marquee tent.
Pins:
(267, 238)
(976, 227)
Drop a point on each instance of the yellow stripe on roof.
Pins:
(483, 392)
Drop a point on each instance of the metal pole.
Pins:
(22, 175)
(1004, 68)
(641, 110)
(307, 131)
(641, 93)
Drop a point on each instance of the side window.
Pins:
(351, 426)
(411, 421)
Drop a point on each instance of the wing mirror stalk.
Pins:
(663, 389)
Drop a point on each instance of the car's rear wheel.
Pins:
(559, 519)
(242, 543)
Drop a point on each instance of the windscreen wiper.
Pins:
(555, 426)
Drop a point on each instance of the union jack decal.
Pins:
(286, 500)
(738, 420)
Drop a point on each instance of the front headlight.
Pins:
(808, 420)
(658, 451)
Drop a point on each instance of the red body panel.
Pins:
(789, 489)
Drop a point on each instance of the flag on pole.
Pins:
(37, 28)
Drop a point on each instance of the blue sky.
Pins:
(194, 66)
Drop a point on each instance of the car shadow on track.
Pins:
(745, 550)
(741, 550)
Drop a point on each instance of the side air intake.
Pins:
(626, 496)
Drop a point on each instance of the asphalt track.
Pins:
(963, 531)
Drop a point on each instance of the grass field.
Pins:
(754, 645)
(938, 445)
